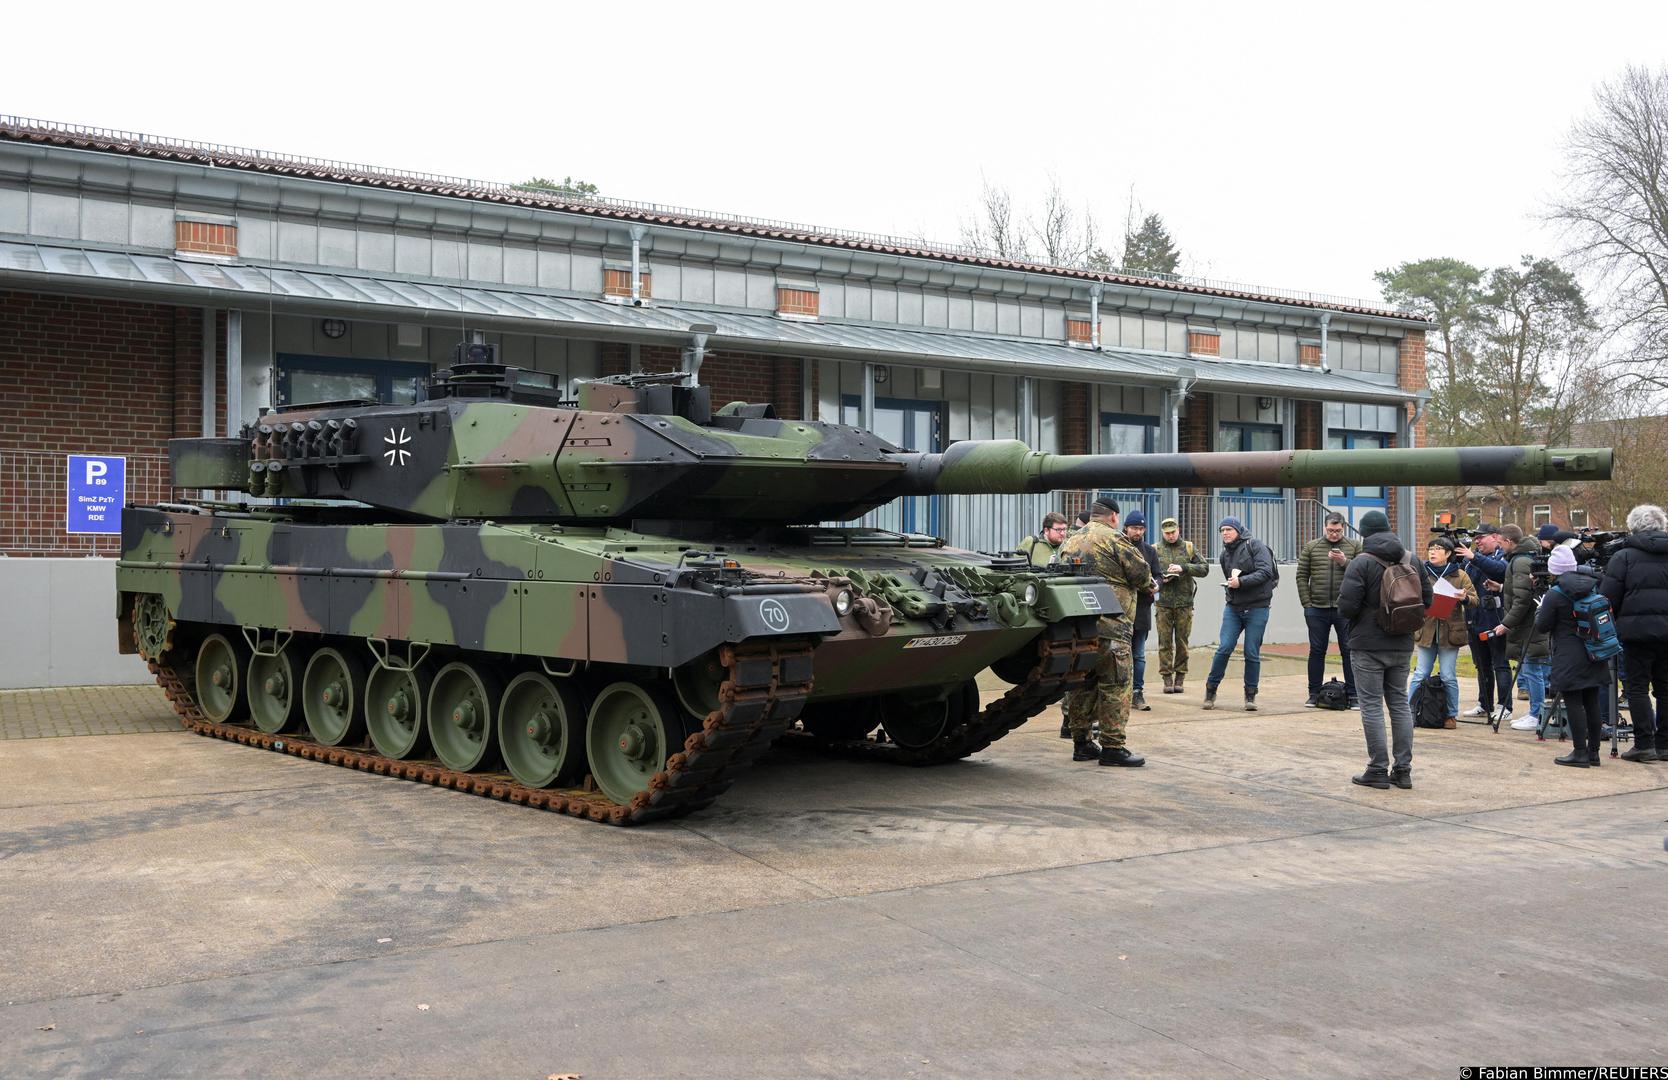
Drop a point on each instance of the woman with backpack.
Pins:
(1439, 641)
(1577, 676)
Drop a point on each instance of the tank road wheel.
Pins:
(273, 692)
(540, 730)
(222, 665)
(915, 724)
(331, 692)
(461, 705)
(631, 732)
(153, 627)
(394, 703)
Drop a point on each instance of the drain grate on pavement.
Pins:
(84, 710)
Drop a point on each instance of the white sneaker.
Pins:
(1526, 722)
(1476, 710)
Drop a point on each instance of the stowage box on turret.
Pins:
(611, 606)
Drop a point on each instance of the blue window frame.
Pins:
(1234, 437)
(303, 379)
(1131, 433)
(912, 425)
(1353, 502)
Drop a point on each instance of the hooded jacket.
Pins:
(1523, 641)
(1257, 575)
(1449, 633)
(1571, 667)
(1358, 597)
(1636, 583)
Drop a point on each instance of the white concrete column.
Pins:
(234, 371)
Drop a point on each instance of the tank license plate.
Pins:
(935, 642)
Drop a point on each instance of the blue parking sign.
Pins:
(97, 491)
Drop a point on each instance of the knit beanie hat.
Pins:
(1548, 531)
(1561, 561)
(1135, 517)
(1231, 522)
(1374, 521)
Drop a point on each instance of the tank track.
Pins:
(767, 687)
(1066, 652)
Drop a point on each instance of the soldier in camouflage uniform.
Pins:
(1174, 608)
(1105, 551)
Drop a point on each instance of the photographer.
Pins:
(1636, 584)
(1524, 643)
(1479, 555)
(1579, 677)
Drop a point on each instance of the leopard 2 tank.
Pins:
(611, 606)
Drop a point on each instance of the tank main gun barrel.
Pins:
(1006, 466)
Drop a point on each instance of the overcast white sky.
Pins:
(1302, 146)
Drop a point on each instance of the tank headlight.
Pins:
(842, 603)
(1030, 594)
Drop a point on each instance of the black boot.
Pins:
(1065, 729)
(1575, 759)
(1375, 778)
(1210, 697)
(1402, 777)
(1138, 701)
(1120, 755)
(1087, 750)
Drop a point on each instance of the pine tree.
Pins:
(1149, 249)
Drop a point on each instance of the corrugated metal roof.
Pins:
(216, 155)
(195, 281)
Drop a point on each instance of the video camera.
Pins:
(1601, 545)
(1445, 526)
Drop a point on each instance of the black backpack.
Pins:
(1430, 703)
(1333, 695)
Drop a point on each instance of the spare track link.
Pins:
(1066, 652)
(766, 689)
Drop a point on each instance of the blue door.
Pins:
(1353, 502)
(1131, 435)
(911, 425)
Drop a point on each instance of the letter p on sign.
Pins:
(96, 471)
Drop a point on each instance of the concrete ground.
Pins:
(179, 906)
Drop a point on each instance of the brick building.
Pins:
(154, 288)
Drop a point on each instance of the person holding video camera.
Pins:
(1636, 584)
(1578, 677)
(1479, 554)
(1524, 643)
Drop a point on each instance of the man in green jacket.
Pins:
(1320, 574)
(1173, 610)
(1044, 547)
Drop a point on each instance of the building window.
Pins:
(796, 301)
(1578, 518)
(1309, 355)
(306, 379)
(1235, 438)
(1078, 331)
(1124, 434)
(1541, 515)
(618, 283)
(1473, 516)
(1204, 342)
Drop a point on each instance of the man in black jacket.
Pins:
(1380, 657)
(1248, 566)
(1636, 584)
(1483, 560)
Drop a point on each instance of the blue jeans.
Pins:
(1138, 646)
(1322, 622)
(1448, 657)
(1252, 622)
(1533, 675)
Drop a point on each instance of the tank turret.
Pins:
(487, 446)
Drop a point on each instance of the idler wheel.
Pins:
(153, 627)
(631, 731)
(222, 666)
(462, 705)
(394, 702)
(273, 693)
(540, 730)
(915, 723)
(331, 692)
